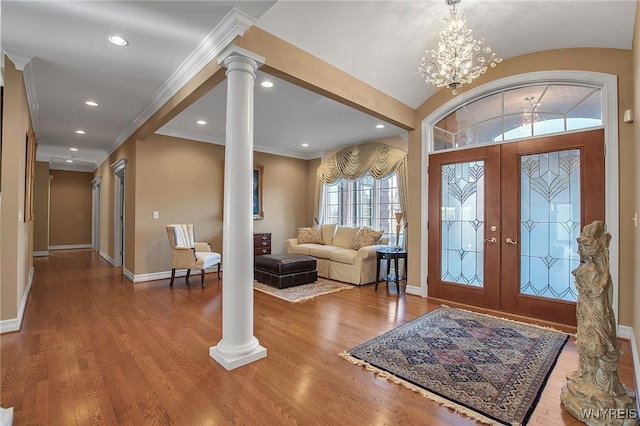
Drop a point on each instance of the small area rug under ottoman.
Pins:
(285, 270)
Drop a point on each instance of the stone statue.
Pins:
(594, 394)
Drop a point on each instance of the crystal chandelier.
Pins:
(459, 58)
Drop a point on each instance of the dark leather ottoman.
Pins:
(285, 270)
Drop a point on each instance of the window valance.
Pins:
(354, 162)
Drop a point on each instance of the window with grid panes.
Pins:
(365, 201)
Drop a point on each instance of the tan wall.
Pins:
(125, 151)
(611, 61)
(15, 244)
(41, 208)
(312, 172)
(183, 181)
(636, 163)
(285, 195)
(70, 213)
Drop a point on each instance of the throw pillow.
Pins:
(366, 237)
(310, 235)
(344, 236)
(328, 231)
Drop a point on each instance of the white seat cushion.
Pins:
(344, 256)
(322, 252)
(207, 259)
(302, 248)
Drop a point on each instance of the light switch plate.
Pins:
(155, 215)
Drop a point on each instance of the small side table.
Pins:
(390, 254)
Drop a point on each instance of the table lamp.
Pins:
(399, 216)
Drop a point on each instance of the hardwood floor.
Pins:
(96, 349)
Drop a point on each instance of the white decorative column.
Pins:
(238, 345)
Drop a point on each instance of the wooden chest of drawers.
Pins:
(261, 243)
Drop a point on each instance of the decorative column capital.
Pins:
(236, 58)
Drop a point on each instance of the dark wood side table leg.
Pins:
(406, 271)
(397, 275)
(388, 270)
(377, 272)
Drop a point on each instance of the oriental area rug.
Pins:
(487, 368)
(301, 293)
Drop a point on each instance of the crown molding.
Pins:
(24, 63)
(59, 163)
(166, 131)
(20, 61)
(208, 139)
(105, 154)
(72, 167)
(234, 24)
(32, 98)
(287, 153)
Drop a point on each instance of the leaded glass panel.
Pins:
(511, 114)
(549, 223)
(461, 223)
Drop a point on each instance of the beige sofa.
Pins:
(342, 253)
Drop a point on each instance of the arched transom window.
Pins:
(518, 113)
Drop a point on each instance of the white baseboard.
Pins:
(127, 274)
(40, 253)
(625, 332)
(14, 324)
(635, 354)
(106, 257)
(412, 289)
(167, 274)
(70, 246)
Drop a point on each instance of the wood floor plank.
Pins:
(95, 348)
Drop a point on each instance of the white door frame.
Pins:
(118, 212)
(96, 204)
(608, 83)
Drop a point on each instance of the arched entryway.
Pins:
(484, 246)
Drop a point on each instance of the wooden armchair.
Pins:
(188, 254)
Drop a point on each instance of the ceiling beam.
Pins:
(296, 66)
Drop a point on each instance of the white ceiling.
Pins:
(378, 42)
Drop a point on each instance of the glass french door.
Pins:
(503, 222)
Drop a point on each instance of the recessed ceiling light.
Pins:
(380, 126)
(91, 103)
(266, 84)
(80, 132)
(305, 144)
(73, 149)
(69, 161)
(201, 122)
(118, 41)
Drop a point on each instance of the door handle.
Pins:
(492, 240)
(510, 241)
